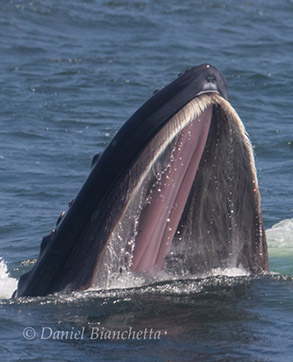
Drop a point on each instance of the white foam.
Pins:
(281, 234)
(128, 280)
(228, 272)
(7, 284)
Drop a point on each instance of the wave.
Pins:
(281, 234)
(7, 283)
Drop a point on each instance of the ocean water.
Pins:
(71, 73)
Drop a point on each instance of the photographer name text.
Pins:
(92, 333)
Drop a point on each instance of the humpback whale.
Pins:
(175, 190)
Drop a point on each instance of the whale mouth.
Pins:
(169, 191)
(189, 196)
(174, 191)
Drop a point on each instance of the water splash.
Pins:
(128, 281)
(281, 234)
(7, 283)
(280, 245)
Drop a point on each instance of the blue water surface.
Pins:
(71, 73)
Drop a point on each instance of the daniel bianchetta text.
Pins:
(92, 333)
